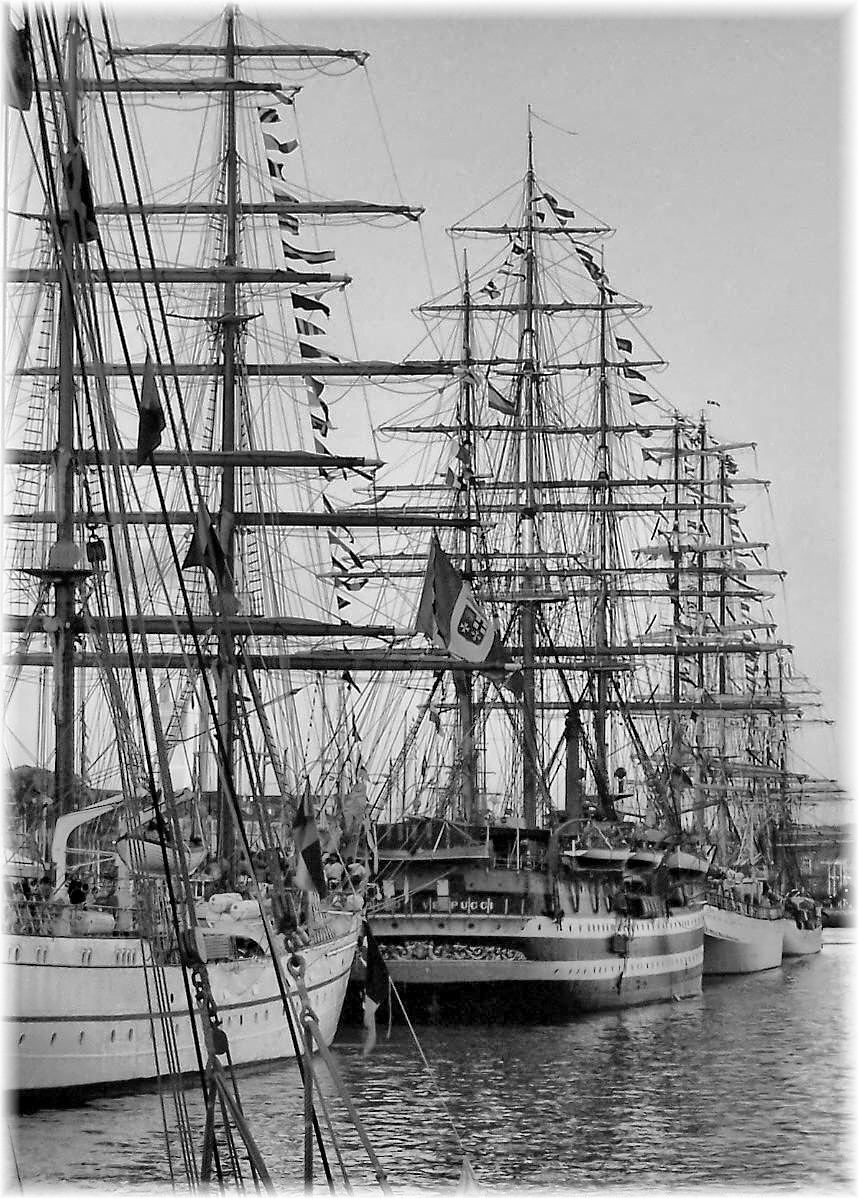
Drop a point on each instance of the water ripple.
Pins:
(749, 1085)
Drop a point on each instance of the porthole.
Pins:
(80, 1037)
(53, 1037)
(21, 1038)
(131, 1033)
(241, 1021)
(112, 1035)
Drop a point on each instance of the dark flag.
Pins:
(309, 872)
(636, 398)
(19, 72)
(205, 549)
(152, 419)
(376, 987)
(79, 194)
(562, 214)
(633, 374)
(624, 344)
(309, 303)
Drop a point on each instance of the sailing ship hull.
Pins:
(78, 1009)
(739, 943)
(494, 968)
(800, 942)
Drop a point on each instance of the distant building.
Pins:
(822, 854)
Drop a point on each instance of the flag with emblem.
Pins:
(450, 615)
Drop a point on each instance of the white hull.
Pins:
(798, 942)
(739, 943)
(78, 1012)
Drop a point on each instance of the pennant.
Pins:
(561, 213)
(268, 116)
(205, 549)
(152, 419)
(309, 872)
(19, 71)
(282, 147)
(275, 169)
(333, 539)
(448, 613)
(314, 257)
(624, 344)
(350, 682)
(636, 398)
(629, 373)
(79, 194)
(307, 329)
(309, 303)
(499, 402)
(288, 223)
(491, 289)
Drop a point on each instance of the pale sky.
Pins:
(712, 143)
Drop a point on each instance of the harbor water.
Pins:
(749, 1086)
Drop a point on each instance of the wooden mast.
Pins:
(225, 681)
(530, 766)
(64, 560)
(464, 682)
(603, 503)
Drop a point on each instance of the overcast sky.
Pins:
(714, 145)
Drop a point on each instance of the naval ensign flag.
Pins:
(449, 614)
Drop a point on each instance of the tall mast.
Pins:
(603, 502)
(528, 515)
(464, 682)
(64, 558)
(229, 325)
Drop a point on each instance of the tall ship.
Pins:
(536, 850)
(169, 528)
(605, 729)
